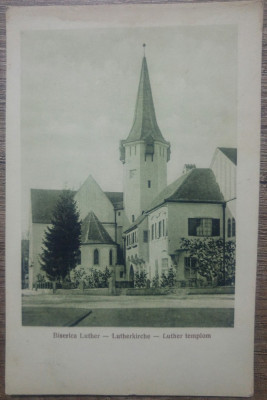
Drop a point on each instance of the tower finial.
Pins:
(144, 46)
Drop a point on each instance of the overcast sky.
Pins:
(79, 90)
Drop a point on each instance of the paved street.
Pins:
(142, 311)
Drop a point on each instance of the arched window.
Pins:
(79, 257)
(110, 257)
(233, 227)
(229, 227)
(96, 257)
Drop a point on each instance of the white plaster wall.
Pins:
(225, 173)
(138, 170)
(178, 214)
(87, 255)
(36, 236)
(90, 197)
(158, 247)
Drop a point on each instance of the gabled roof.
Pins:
(93, 231)
(43, 203)
(230, 152)
(198, 185)
(145, 125)
(116, 199)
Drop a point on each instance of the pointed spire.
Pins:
(145, 125)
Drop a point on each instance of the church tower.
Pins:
(144, 153)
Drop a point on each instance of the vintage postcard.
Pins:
(133, 138)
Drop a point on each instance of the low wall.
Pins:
(212, 290)
(147, 292)
(89, 292)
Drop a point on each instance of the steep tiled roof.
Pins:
(230, 152)
(93, 231)
(43, 204)
(198, 185)
(145, 125)
(116, 199)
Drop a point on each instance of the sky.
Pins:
(78, 93)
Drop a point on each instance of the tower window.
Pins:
(132, 218)
(110, 257)
(149, 184)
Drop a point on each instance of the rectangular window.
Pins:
(121, 274)
(159, 229)
(145, 236)
(163, 227)
(164, 264)
(203, 227)
(152, 232)
(132, 218)
(156, 235)
(190, 267)
(149, 184)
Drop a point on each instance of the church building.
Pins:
(141, 228)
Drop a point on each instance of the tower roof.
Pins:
(93, 231)
(145, 125)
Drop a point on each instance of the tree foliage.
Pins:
(61, 243)
(140, 279)
(168, 280)
(215, 259)
(94, 278)
(155, 281)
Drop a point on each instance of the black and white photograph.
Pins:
(129, 174)
(132, 198)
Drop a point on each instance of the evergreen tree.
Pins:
(61, 243)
